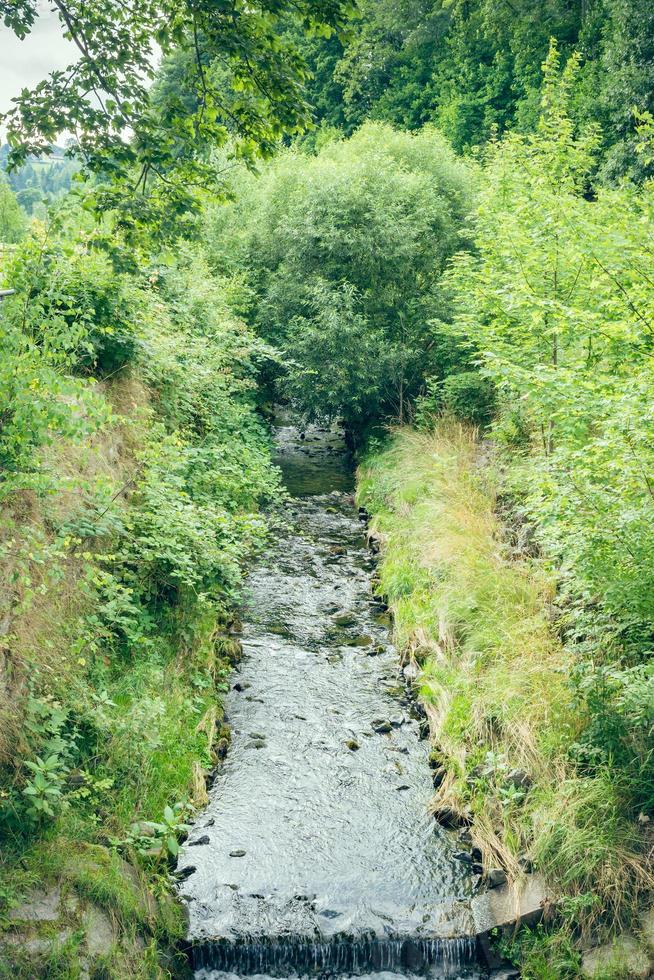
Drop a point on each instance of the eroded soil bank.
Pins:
(317, 851)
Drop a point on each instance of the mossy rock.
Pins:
(623, 959)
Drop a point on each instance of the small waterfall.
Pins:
(337, 957)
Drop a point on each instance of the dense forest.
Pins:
(432, 221)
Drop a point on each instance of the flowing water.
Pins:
(316, 853)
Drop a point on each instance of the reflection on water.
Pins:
(316, 852)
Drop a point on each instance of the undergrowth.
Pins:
(134, 465)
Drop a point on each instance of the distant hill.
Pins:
(42, 179)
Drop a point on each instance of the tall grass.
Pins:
(475, 614)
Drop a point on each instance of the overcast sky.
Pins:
(24, 63)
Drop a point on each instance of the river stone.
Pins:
(381, 726)
(509, 905)
(625, 957)
(496, 877)
(36, 945)
(647, 928)
(344, 619)
(360, 641)
(39, 906)
(239, 853)
(99, 931)
(352, 745)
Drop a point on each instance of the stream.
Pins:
(316, 853)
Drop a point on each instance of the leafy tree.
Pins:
(342, 252)
(104, 97)
(557, 298)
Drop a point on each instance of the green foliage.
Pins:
(40, 181)
(466, 395)
(152, 838)
(119, 571)
(71, 303)
(473, 68)
(139, 137)
(343, 253)
(558, 302)
(543, 953)
(12, 217)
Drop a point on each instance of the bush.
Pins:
(466, 395)
(72, 303)
(343, 253)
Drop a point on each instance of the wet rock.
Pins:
(221, 748)
(205, 839)
(337, 549)
(439, 775)
(257, 743)
(526, 865)
(463, 856)
(496, 877)
(477, 869)
(360, 641)
(625, 957)
(352, 744)
(381, 726)
(376, 651)
(448, 817)
(506, 905)
(210, 823)
(186, 872)
(257, 736)
(344, 619)
(402, 787)
(238, 853)
(476, 854)
(506, 973)
(241, 686)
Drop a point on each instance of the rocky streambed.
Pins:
(317, 853)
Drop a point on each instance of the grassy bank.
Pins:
(133, 469)
(477, 611)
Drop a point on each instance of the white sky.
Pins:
(24, 63)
